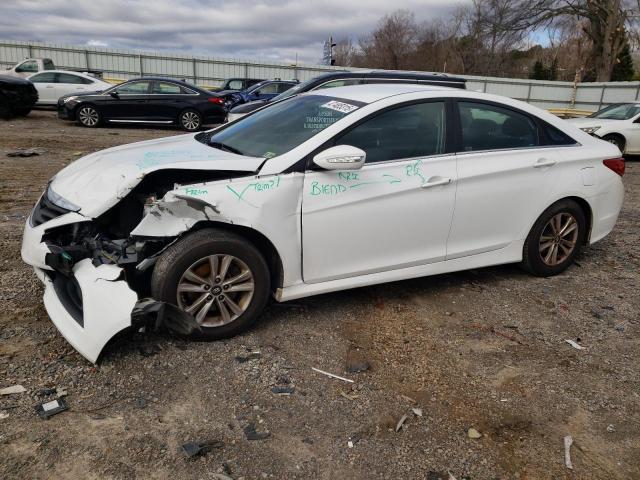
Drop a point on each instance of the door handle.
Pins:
(543, 162)
(436, 181)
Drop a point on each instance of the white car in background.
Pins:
(618, 124)
(53, 84)
(325, 191)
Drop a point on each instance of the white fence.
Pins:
(125, 64)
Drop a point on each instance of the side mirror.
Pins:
(114, 94)
(341, 157)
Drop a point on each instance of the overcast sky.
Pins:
(269, 29)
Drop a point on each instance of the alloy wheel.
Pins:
(559, 238)
(216, 290)
(88, 116)
(190, 120)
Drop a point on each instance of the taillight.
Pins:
(216, 100)
(615, 164)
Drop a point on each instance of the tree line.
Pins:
(581, 40)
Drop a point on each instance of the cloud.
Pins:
(269, 29)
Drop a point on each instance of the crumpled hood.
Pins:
(98, 181)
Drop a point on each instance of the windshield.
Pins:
(255, 87)
(618, 112)
(281, 127)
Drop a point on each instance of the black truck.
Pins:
(17, 96)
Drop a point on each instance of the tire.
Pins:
(88, 116)
(22, 112)
(617, 140)
(537, 256)
(193, 255)
(190, 120)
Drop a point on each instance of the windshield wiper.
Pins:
(225, 147)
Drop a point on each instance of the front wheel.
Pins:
(190, 120)
(88, 116)
(555, 239)
(218, 277)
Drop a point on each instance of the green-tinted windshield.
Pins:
(281, 127)
(624, 111)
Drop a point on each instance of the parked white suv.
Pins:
(326, 191)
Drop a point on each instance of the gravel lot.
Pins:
(482, 349)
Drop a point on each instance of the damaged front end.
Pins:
(96, 271)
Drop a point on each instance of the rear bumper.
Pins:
(90, 306)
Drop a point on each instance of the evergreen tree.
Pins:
(623, 69)
(539, 72)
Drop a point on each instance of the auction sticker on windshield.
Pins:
(339, 106)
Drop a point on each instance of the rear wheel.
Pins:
(190, 120)
(617, 140)
(218, 277)
(88, 116)
(555, 239)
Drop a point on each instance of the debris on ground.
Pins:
(49, 409)
(149, 350)
(356, 360)
(194, 449)
(251, 433)
(611, 428)
(568, 441)
(474, 434)
(246, 358)
(282, 390)
(575, 345)
(220, 476)
(26, 152)
(401, 422)
(12, 389)
(417, 412)
(45, 392)
(349, 396)
(331, 375)
(3, 415)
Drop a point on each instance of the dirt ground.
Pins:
(482, 349)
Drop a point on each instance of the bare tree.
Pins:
(392, 42)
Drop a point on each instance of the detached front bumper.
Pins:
(89, 306)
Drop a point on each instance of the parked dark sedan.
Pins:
(148, 100)
(260, 91)
(344, 78)
(17, 96)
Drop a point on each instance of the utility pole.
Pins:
(332, 61)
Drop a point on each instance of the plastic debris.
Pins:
(331, 375)
(350, 444)
(3, 415)
(194, 449)
(611, 428)
(575, 345)
(474, 434)
(401, 422)
(417, 412)
(49, 409)
(282, 390)
(13, 389)
(27, 152)
(250, 356)
(568, 441)
(251, 433)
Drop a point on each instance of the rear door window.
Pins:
(489, 127)
(166, 88)
(74, 79)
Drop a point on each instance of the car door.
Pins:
(127, 102)
(45, 83)
(167, 100)
(504, 177)
(393, 213)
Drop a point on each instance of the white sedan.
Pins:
(53, 84)
(618, 124)
(326, 191)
